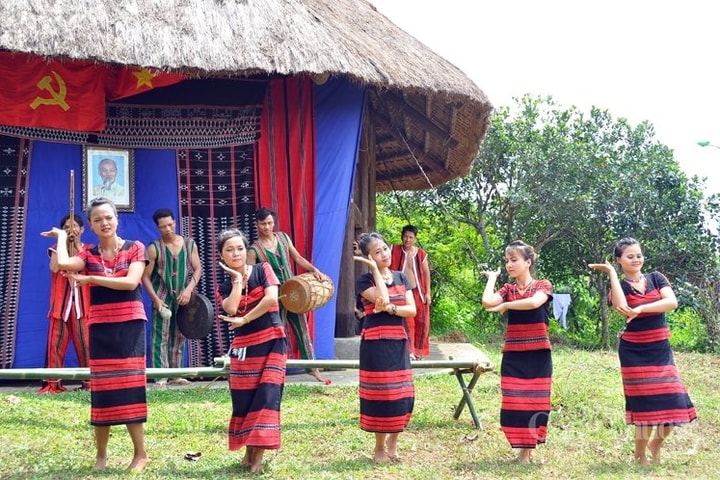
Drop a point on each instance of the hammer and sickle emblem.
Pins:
(56, 97)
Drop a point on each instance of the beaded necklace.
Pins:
(110, 272)
(523, 289)
(635, 281)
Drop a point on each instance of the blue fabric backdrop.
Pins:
(339, 113)
(48, 201)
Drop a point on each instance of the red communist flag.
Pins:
(126, 81)
(40, 92)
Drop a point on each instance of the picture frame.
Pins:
(109, 172)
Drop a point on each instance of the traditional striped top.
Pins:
(383, 325)
(268, 326)
(108, 305)
(646, 327)
(527, 329)
(63, 297)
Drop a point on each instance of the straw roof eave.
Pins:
(428, 111)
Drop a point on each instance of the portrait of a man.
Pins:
(108, 172)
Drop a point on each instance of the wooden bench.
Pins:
(458, 368)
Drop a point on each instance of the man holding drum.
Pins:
(277, 249)
(171, 276)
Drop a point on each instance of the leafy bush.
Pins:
(688, 331)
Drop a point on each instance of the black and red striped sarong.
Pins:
(525, 380)
(256, 388)
(654, 392)
(387, 393)
(117, 373)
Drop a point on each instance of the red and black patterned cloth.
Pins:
(14, 170)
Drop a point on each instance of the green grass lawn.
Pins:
(49, 436)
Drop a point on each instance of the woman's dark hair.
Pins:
(226, 235)
(622, 244)
(96, 202)
(366, 239)
(527, 252)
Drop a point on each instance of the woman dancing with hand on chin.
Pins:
(116, 329)
(258, 353)
(387, 393)
(526, 367)
(655, 396)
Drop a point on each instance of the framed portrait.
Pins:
(109, 172)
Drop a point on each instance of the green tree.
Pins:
(571, 184)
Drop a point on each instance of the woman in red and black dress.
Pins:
(116, 329)
(387, 393)
(655, 395)
(258, 353)
(526, 367)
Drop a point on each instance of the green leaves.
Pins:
(570, 183)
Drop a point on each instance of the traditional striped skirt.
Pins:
(387, 393)
(525, 381)
(117, 373)
(257, 378)
(654, 391)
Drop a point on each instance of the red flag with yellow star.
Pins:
(40, 92)
(126, 81)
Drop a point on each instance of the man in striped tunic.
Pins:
(170, 278)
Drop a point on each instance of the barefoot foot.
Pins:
(138, 464)
(381, 457)
(654, 447)
(642, 460)
(100, 464)
(247, 459)
(257, 460)
(316, 373)
(524, 456)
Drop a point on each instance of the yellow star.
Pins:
(144, 77)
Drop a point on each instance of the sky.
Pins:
(640, 60)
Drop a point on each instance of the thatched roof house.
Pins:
(384, 113)
(423, 108)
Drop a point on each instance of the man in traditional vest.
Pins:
(413, 261)
(68, 304)
(171, 276)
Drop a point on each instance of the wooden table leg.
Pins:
(467, 397)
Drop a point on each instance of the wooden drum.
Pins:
(304, 292)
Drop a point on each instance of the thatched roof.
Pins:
(423, 108)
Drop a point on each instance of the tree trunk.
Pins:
(709, 310)
(600, 285)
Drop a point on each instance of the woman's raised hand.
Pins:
(380, 304)
(53, 233)
(603, 267)
(234, 274)
(489, 273)
(629, 313)
(366, 260)
(500, 308)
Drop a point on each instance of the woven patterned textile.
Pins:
(166, 126)
(14, 168)
(216, 192)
